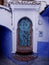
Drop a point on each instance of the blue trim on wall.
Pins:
(6, 41)
(45, 12)
(43, 49)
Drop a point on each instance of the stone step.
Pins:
(24, 57)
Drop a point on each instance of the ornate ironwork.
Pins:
(25, 2)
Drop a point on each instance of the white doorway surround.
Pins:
(12, 17)
(30, 11)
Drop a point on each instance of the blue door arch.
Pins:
(5, 41)
(24, 35)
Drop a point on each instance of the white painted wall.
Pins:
(5, 17)
(44, 27)
(32, 12)
(47, 1)
(20, 11)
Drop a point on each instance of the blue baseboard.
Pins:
(43, 49)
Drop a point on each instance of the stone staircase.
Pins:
(26, 57)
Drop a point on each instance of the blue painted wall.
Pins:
(5, 41)
(45, 13)
(43, 47)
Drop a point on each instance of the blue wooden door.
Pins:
(24, 35)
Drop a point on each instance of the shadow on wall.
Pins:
(5, 41)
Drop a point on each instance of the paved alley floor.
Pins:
(39, 61)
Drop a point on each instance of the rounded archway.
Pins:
(24, 36)
(5, 41)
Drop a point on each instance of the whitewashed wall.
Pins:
(33, 14)
(5, 17)
(44, 27)
(20, 11)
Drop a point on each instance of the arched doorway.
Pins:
(24, 36)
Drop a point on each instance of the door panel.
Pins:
(25, 32)
(24, 35)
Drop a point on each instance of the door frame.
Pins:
(21, 49)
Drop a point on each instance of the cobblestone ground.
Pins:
(38, 61)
